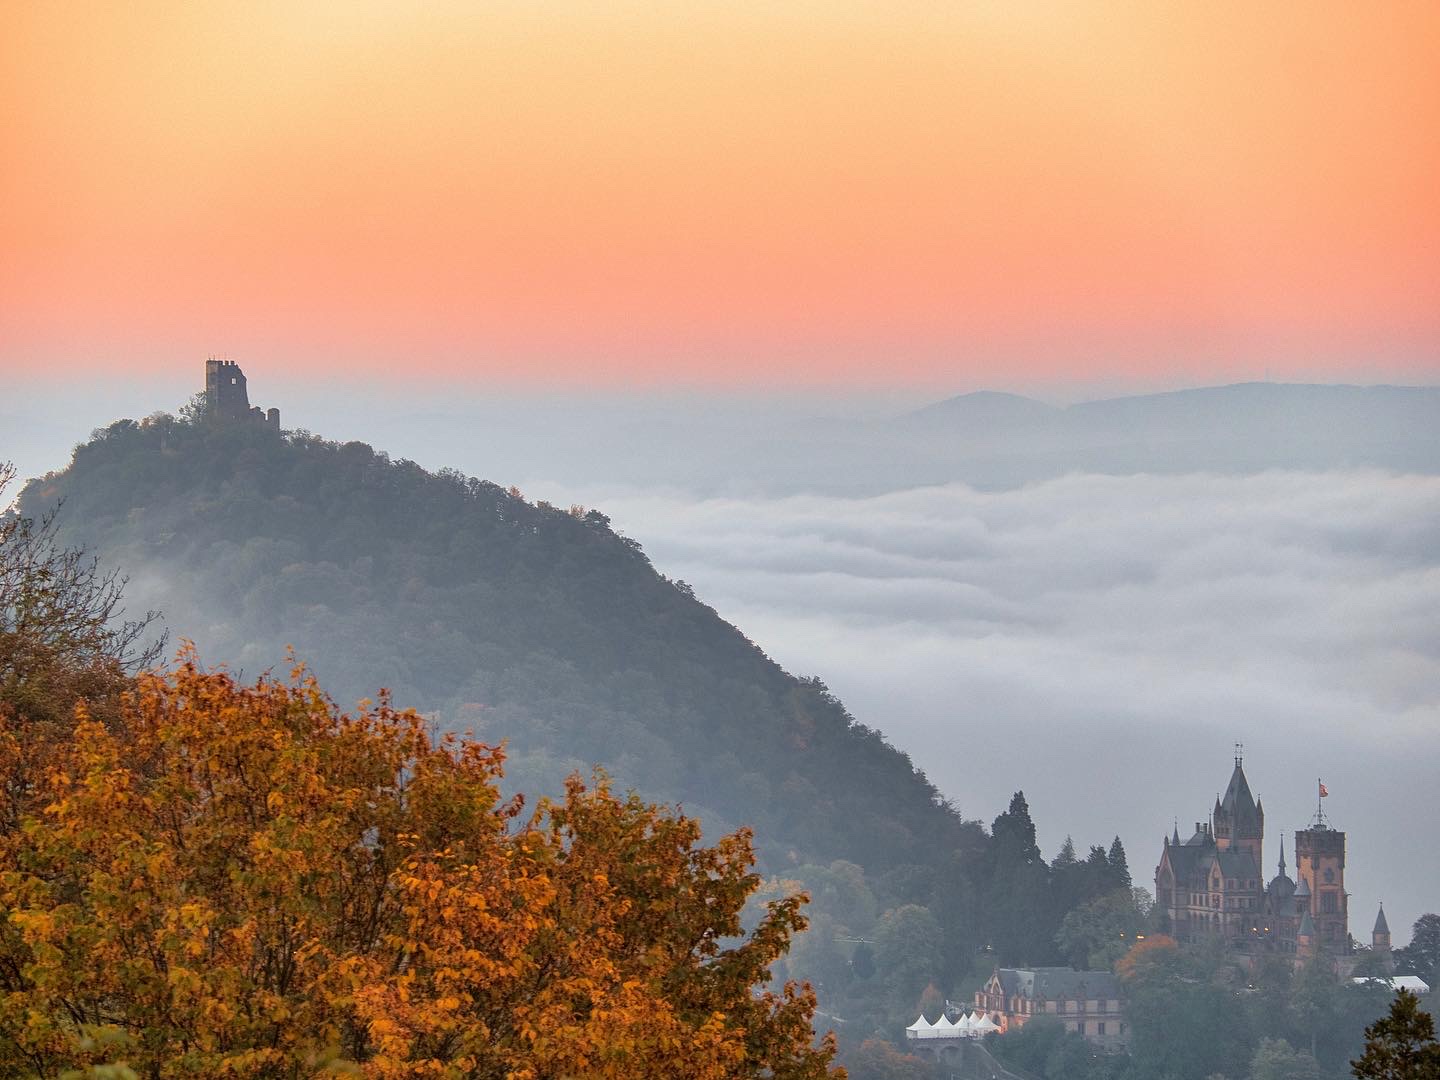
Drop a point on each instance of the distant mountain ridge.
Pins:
(1195, 411)
(992, 439)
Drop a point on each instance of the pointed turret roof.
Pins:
(1307, 925)
(1303, 890)
(1238, 805)
(1281, 887)
(1381, 926)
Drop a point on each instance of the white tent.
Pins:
(1413, 983)
(984, 1025)
(920, 1029)
(943, 1027)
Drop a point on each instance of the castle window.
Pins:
(1100, 1028)
(1327, 902)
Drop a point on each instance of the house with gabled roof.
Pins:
(1088, 1003)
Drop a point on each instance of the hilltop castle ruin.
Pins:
(227, 400)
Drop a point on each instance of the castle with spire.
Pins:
(1211, 886)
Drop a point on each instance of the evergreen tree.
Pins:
(862, 961)
(1018, 912)
(1400, 1046)
(1013, 833)
(1119, 866)
(1067, 857)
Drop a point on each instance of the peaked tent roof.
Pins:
(921, 1024)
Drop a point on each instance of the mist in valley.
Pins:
(1092, 604)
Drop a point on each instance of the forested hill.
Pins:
(518, 621)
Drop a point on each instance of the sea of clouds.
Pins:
(1103, 641)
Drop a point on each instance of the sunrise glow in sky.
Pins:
(726, 192)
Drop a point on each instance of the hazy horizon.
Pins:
(1099, 640)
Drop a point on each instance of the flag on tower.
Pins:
(1324, 791)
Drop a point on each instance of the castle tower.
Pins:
(1320, 865)
(1305, 938)
(225, 393)
(227, 399)
(1380, 936)
(1239, 819)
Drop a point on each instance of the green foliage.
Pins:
(1098, 933)
(1182, 1023)
(862, 961)
(1402, 1045)
(1276, 1059)
(907, 949)
(1043, 1048)
(1422, 956)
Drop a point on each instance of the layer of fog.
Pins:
(1101, 642)
(1098, 640)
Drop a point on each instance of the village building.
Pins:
(1088, 1003)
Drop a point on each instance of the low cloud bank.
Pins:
(1103, 641)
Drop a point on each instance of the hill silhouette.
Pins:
(526, 622)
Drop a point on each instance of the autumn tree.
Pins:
(63, 631)
(875, 1059)
(241, 881)
(1400, 1046)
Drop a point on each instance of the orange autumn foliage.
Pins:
(1156, 949)
(239, 881)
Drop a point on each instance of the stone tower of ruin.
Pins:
(227, 399)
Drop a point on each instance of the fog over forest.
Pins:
(1089, 605)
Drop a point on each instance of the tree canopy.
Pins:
(240, 880)
(1400, 1046)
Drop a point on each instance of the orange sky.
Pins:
(723, 192)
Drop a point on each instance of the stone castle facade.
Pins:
(1211, 886)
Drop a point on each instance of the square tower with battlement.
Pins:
(1320, 863)
(227, 398)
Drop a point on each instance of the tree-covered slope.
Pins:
(517, 621)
